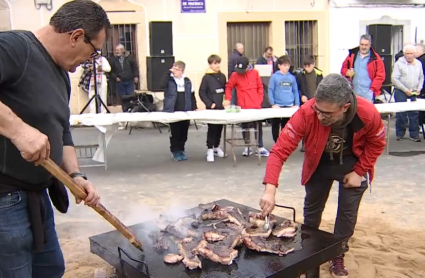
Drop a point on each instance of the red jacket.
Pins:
(249, 89)
(375, 67)
(368, 141)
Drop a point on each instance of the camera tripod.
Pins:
(96, 97)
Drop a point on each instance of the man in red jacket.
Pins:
(344, 136)
(365, 69)
(249, 92)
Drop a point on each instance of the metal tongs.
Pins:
(267, 224)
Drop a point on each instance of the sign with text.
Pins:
(193, 6)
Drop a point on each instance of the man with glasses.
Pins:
(344, 136)
(34, 126)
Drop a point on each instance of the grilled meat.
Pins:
(160, 241)
(186, 249)
(256, 232)
(172, 258)
(259, 220)
(217, 253)
(216, 233)
(260, 244)
(213, 236)
(286, 229)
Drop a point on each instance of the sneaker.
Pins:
(247, 152)
(210, 155)
(176, 156)
(263, 152)
(183, 156)
(399, 138)
(218, 152)
(302, 149)
(415, 139)
(337, 268)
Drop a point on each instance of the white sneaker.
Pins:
(263, 152)
(210, 155)
(245, 152)
(218, 152)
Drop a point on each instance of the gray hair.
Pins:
(237, 45)
(334, 88)
(120, 46)
(409, 46)
(366, 37)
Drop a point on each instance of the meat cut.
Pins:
(217, 233)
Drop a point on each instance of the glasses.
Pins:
(327, 115)
(96, 52)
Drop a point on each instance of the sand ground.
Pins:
(142, 181)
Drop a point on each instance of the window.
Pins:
(253, 35)
(301, 39)
(124, 34)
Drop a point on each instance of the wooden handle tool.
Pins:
(79, 192)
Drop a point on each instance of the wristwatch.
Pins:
(78, 174)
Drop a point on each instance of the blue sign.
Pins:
(193, 6)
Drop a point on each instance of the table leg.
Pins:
(225, 140)
(232, 145)
(388, 133)
(104, 150)
(258, 136)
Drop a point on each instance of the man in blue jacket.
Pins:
(283, 92)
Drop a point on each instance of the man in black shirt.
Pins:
(34, 125)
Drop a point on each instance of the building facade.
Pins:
(298, 27)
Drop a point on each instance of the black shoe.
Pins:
(416, 139)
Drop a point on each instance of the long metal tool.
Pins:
(77, 191)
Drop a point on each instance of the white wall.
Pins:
(346, 25)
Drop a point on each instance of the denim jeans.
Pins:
(125, 88)
(17, 257)
(406, 119)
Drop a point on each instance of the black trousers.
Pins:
(214, 135)
(317, 193)
(178, 136)
(277, 125)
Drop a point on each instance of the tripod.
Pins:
(96, 97)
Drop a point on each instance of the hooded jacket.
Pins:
(375, 68)
(407, 76)
(249, 89)
(368, 140)
(212, 89)
(283, 90)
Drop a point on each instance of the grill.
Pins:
(315, 247)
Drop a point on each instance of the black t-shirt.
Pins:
(37, 91)
(340, 139)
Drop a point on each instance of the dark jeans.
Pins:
(406, 119)
(17, 259)
(317, 193)
(178, 136)
(125, 88)
(214, 135)
(277, 126)
(247, 136)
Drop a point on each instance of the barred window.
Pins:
(253, 35)
(124, 34)
(301, 39)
